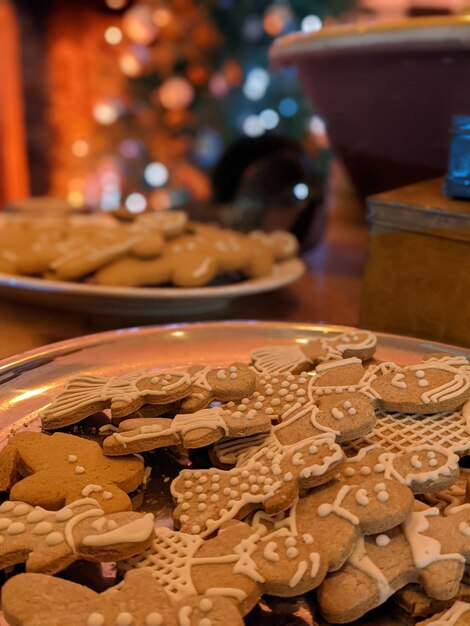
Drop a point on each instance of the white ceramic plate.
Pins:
(153, 302)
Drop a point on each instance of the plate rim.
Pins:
(65, 346)
(250, 286)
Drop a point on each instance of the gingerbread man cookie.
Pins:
(271, 478)
(457, 615)
(57, 469)
(84, 395)
(49, 541)
(39, 600)
(192, 431)
(426, 549)
(192, 260)
(302, 357)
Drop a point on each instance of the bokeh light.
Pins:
(269, 118)
(277, 19)
(317, 125)
(300, 191)
(105, 113)
(253, 126)
(116, 4)
(218, 85)
(80, 148)
(113, 35)
(160, 200)
(256, 84)
(136, 203)
(176, 93)
(208, 146)
(75, 199)
(130, 65)
(130, 148)
(288, 107)
(252, 28)
(161, 17)
(138, 24)
(311, 24)
(156, 174)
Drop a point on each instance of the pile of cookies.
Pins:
(152, 249)
(266, 498)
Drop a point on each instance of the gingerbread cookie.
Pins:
(271, 478)
(417, 603)
(457, 615)
(231, 383)
(49, 541)
(424, 388)
(84, 395)
(192, 431)
(139, 600)
(57, 469)
(192, 260)
(426, 549)
(302, 357)
(283, 244)
(424, 469)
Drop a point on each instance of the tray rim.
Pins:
(85, 341)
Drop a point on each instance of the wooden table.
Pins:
(328, 292)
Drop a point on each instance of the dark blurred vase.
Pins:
(270, 183)
(265, 183)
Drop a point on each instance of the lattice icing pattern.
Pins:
(398, 432)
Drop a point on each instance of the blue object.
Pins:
(457, 183)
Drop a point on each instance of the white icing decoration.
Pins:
(425, 550)
(452, 615)
(154, 619)
(95, 619)
(327, 508)
(54, 539)
(361, 497)
(398, 381)
(89, 489)
(278, 359)
(361, 561)
(125, 619)
(382, 541)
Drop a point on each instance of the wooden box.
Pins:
(417, 277)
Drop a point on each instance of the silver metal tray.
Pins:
(29, 381)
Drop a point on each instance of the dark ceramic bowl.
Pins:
(388, 92)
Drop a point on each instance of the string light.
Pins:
(113, 35)
(105, 113)
(257, 81)
(156, 174)
(288, 107)
(80, 148)
(300, 191)
(130, 65)
(269, 118)
(253, 126)
(116, 4)
(161, 17)
(138, 24)
(176, 93)
(136, 203)
(75, 199)
(311, 24)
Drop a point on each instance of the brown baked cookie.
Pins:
(225, 384)
(302, 357)
(271, 478)
(192, 431)
(84, 395)
(457, 615)
(424, 388)
(58, 469)
(139, 600)
(426, 549)
(192, 260)
(49, 541)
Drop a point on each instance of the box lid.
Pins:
(421, 207)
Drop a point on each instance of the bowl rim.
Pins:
(374, 33)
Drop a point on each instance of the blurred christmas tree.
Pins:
(196, 77)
